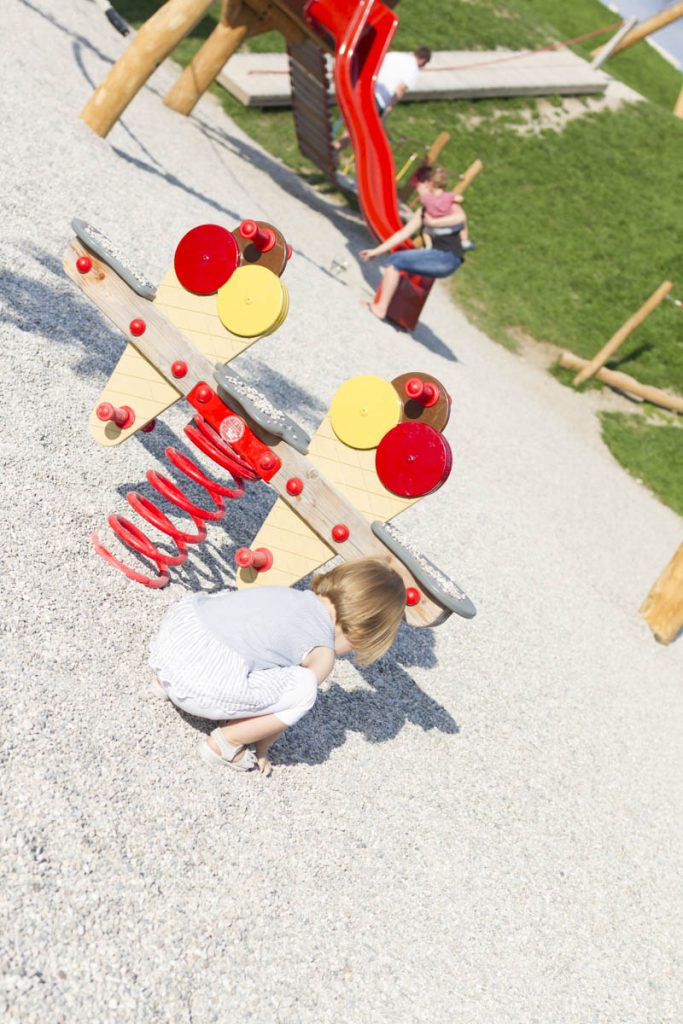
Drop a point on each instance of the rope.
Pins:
(530, 53)
(496, 60)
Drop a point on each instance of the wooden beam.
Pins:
(470, 174)
(623, 333)
(186, 92)
(645, 28)
(678, 109)
(623, 382)
(152, 44)
(663, 606)
(605, 52)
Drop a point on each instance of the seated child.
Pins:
(439, 203)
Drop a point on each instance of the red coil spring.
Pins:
(209, 442)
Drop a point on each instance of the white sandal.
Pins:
(227, 753)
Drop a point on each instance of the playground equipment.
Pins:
(646, 28)
(621, 381)
(380, 449)
(357, 34)
(663, 606)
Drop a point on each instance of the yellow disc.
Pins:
(250, 302)
(285, 310)
(363, 410)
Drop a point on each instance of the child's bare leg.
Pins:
(262, 731)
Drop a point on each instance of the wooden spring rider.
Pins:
(378, 451)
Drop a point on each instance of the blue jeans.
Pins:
(429, 262)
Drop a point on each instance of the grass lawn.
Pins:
(575, 228)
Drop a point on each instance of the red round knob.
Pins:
(149, 427)
(412, 595)
(289, 252)
(179, 368)
(340, 533)
(267, 461)
(83, 264)
(295, 485)
(244, 558)
(203, 393)
(137, 327)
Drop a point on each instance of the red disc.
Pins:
(295, 485)
(83, 264)
(340, 532)
(179, 368)
(137, 327)
(205, 258)
(413, 459)
(412, 596)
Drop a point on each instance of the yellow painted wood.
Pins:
(137, 383)
(251, 302)
(363, 410)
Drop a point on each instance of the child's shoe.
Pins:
(468, 245)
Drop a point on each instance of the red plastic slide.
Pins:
(361, 32)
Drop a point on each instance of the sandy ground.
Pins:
(485, 826)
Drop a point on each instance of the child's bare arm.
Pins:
(321, 661)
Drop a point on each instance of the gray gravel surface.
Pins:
(485, 826)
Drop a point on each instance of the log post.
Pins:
(470, 174)
(157, 38)
(678, 109)
(653, 24)
(623, 382)
(442, 140)
(624, 331)
(663, 606)
(211, 57)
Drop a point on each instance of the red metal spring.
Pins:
(208, 441)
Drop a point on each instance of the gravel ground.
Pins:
(484, 827)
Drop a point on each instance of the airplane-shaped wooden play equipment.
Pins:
(379, 449)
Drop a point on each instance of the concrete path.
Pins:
(485, 827)
(262, 79)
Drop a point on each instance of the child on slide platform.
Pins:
(255, 658)
(437, 202)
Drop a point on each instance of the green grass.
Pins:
(651, 452)
(576, 228)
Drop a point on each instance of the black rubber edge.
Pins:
(461, 605)
(98, 242)
(283, 427)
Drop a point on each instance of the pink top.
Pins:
(437, 205)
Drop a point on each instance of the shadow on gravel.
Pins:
(80, 40)
(378, 713)
(56, 310)
(171, 179)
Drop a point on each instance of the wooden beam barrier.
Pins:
(156, 39)
(623, 382)
(593, 365)
(663, 606)
(653, 24)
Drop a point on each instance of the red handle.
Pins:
(123, 417)
(262, 238)
(422, 391)
(261, 559)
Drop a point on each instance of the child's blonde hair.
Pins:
(369, 599)
(439, 178)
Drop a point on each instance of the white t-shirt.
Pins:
(396, 68)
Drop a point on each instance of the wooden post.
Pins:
(624, 331)
(470, 174)
(663, 606)
(434, 151)
(623, 382)
(157, 38)
(211, 57)
(678, 109)
(653, 24)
